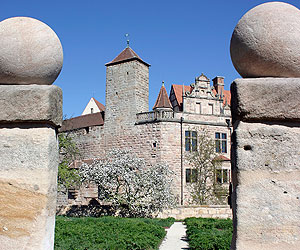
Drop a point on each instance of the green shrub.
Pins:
(166, 223)
(208, 233)
(109, 233)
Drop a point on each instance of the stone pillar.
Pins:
(31, 112)
(266, 163)
(266, 116)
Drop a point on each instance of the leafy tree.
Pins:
(132, 187)
(204, 161)
(67, 177)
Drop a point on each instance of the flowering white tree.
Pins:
(131, 186)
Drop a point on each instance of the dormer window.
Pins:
(92, 110)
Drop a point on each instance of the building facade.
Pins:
(167, 134)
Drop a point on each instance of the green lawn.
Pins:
(109, 233)
(209, 234)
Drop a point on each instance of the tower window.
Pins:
(92, 110)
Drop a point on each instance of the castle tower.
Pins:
(127, 91)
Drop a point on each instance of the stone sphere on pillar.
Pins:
(30, 52)
(266, 41)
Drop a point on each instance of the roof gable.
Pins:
(178, 92)
(126, 55)
(93, 106)
(99, 105)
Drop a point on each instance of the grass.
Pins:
(209, 234)
(109, 233)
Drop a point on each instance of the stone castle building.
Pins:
(166, 134)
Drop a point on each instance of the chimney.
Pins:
(218, 83)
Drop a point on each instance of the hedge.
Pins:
(208, 233)
(109, 233)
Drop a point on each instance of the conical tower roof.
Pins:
(162, 101)
(126, 55)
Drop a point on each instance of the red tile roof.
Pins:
(99, 105)
(162, 100)
(83, 121)
(178, 92)
(226, 98)
(222, 158)
(126, 55)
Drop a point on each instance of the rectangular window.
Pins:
(191, 141)
(191, 175)
(222, 176)
(221, 142)
(188, 175)
(210, 109)
(225, 176)
(198, 108)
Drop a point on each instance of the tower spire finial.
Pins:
(127, 36)
(163, 83)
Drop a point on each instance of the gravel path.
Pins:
(175, 238)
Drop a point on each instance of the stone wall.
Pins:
(155, 142)
(89, 141)
(182, 212)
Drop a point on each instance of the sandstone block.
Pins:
(265, 41)
(266, 174)
(28, 172)
(31, 103)
(268, 99)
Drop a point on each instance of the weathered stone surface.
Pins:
(30, 52)
(265, 42)
(28, 172)
(269, 99)
(23, 103)
(266, 177)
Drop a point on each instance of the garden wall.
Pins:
(213, 211)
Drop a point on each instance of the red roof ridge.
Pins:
(99, 105)
(126, 55)
(162, 100)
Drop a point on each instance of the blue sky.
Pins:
(180, 39)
